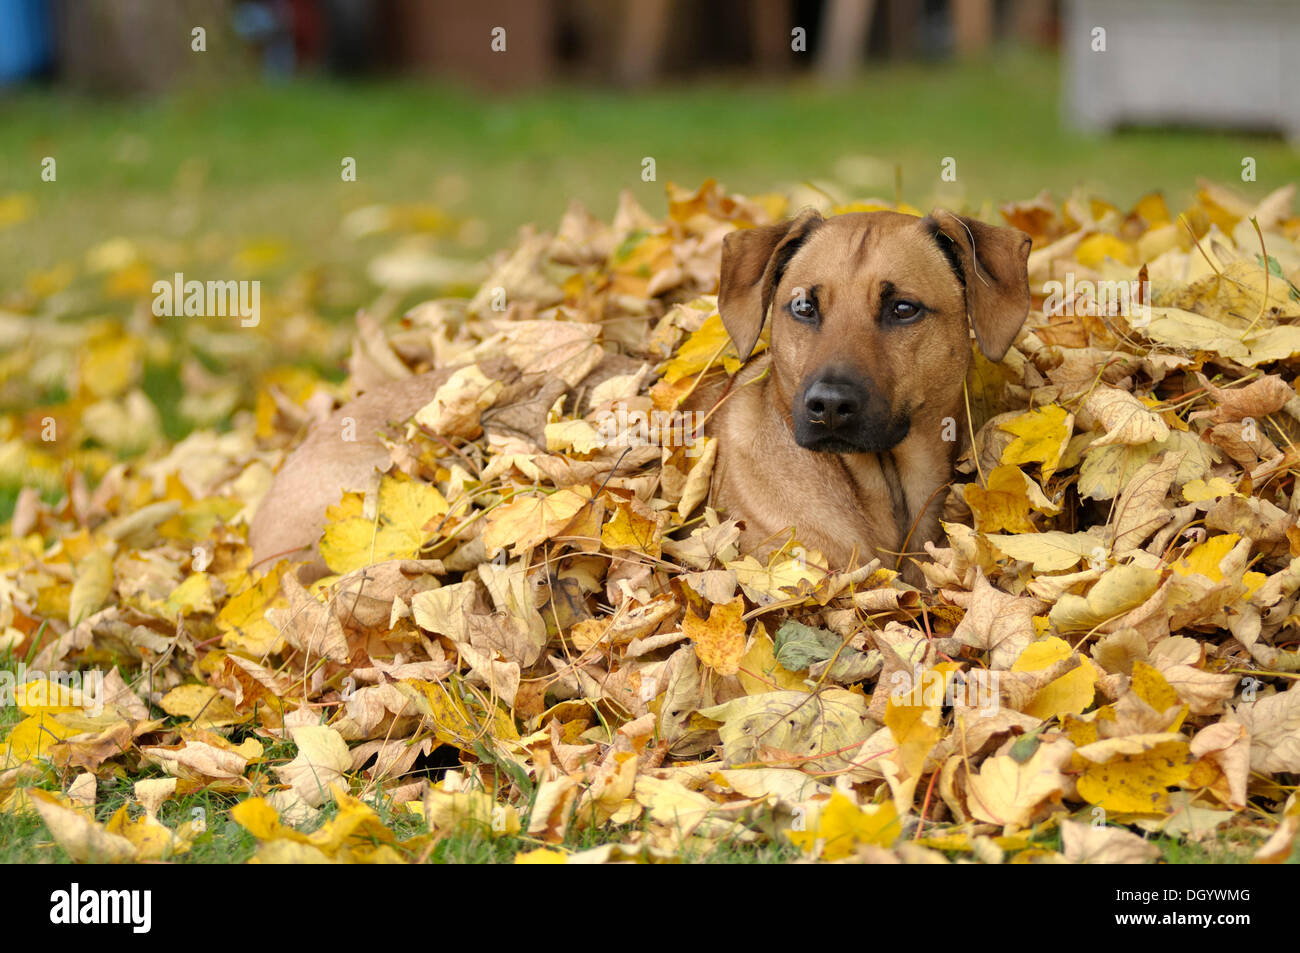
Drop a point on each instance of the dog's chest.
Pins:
(838, 504)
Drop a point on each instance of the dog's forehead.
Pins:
(865, 242)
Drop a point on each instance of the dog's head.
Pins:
(871, 315)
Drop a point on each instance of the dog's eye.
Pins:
(803, 308)
(905, 311)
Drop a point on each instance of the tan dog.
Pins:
(847, 429)
(844, 439)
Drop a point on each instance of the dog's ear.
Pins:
(992, 264)
(753, 261)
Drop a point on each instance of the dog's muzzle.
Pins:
(833, 414)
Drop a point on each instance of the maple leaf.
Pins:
(405, 509)
(1005, 503)
(1041, 437)
(528, 521)
(720, 639)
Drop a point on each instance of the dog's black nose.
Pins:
(832, 405)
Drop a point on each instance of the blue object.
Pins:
(25, 39)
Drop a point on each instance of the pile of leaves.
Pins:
(534, 626)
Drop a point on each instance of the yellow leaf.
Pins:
(842, 826)
(406, 508)
(1120, 589)
(783, 576)
(528, 521)
(1071, 694)
(458, 721)
(1005, 504)
(261, 820)
(576, 435)
(632, 530)
(759, 670)
(1095, 249)
(1205, 558)
(1130, 774)
(1153, 209)
(541, 855)
(191, 597)
(33, 737)
(719, 639)
(1049, 552)
(1150, 686)
(710, 342)
(93, 586)
(915, 729)
(110, 365)
(1199, 490)
(151, 840)
(243, 622)
(48, 695)
(1041, 437)
(15, 208)
(200, 702)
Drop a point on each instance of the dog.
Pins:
(847, 429)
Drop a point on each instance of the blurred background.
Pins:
(475, 134)
(143, 137)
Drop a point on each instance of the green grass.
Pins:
(261, 161)
(24, 839)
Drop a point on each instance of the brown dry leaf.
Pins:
(1140, 509)
(1281, 845)
(1124, 418)
(529, 521)
(203, 760)
(1012, 794)
(1266, 395)
(321, 761)
(1098, 844)
(308, 624)
(83, 839)
(1274, 726)
(998, 623)
(792, 729)
(457, 406)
